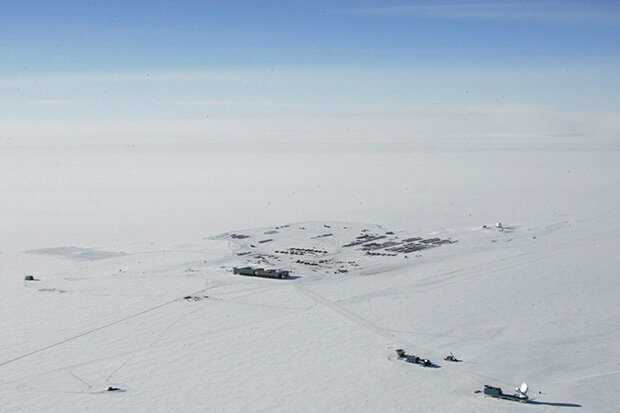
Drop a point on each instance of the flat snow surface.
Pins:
(131, 249)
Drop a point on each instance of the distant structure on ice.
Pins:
(260, 272)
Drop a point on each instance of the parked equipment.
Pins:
(450, 357)
(519, 396)
(409, 358)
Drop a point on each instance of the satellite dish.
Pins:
(523, 388)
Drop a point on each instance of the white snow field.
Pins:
(131, 250)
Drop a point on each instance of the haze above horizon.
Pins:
(322, 70)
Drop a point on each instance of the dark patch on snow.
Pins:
(77, 253)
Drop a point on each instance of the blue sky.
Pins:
(84, 69)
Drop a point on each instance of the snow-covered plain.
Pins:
(117, 234)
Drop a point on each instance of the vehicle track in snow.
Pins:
(96, 329)
(157, 342)
(316, 297)
(368, 325)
